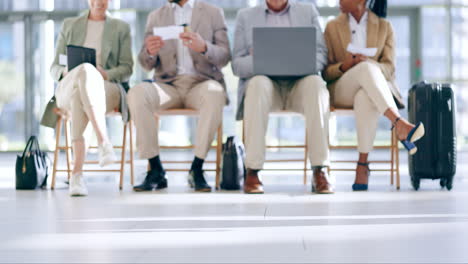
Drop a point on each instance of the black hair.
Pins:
(379, 7)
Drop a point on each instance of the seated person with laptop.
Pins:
(90, 90)
(278, 52)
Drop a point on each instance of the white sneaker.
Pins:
(106, 154)
(78, 186)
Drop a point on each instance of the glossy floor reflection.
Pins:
(287, 224)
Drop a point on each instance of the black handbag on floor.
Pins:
(31, 167)
(233, 168)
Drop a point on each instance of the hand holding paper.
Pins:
(352, 60)
(369, 52)
(190, 39)
(153, 44)
(170, 32)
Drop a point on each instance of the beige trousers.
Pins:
(365, 89)
(83, 90)
(146, 99)
(308, 96)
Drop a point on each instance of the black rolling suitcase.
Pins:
(434, 105)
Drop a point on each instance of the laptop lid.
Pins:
(285, 51)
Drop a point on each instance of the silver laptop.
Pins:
(285, 51)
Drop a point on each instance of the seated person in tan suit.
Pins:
(366, 84)
(87, 92)
(187, 75)
(260, 95)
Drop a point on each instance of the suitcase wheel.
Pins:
(446, 183)
(415, 182)
(449, 184)
(443, 183)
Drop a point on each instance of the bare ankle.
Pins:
(104, 142)
(362, 174)
(74, 173)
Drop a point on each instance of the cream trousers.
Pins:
(147, 99)
(84, 90)
(308, 96)
(365, 89)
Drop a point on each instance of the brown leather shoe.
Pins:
(252, 184)
(321, 183)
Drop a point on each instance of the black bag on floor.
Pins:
(31, 167)
(233, 168)
(434, 105)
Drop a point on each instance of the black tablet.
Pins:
(77, 55)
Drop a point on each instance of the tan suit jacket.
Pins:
(208, 21)
(379, 35)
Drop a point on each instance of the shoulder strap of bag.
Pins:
(229, 143)
(36, 144)
(29, 145)
(44, 182)
(47, 161)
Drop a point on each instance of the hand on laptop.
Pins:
(154, 44)
(352, 60)
(193, 41)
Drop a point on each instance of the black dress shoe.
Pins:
(162, 183)
(154, 180)
(197, 181)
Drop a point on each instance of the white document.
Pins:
(170, 32)
(63, 59)
(369, 52)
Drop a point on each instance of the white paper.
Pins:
(369, 52)
(170, 32)
(63, 59)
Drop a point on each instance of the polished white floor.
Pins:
(287, 224)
